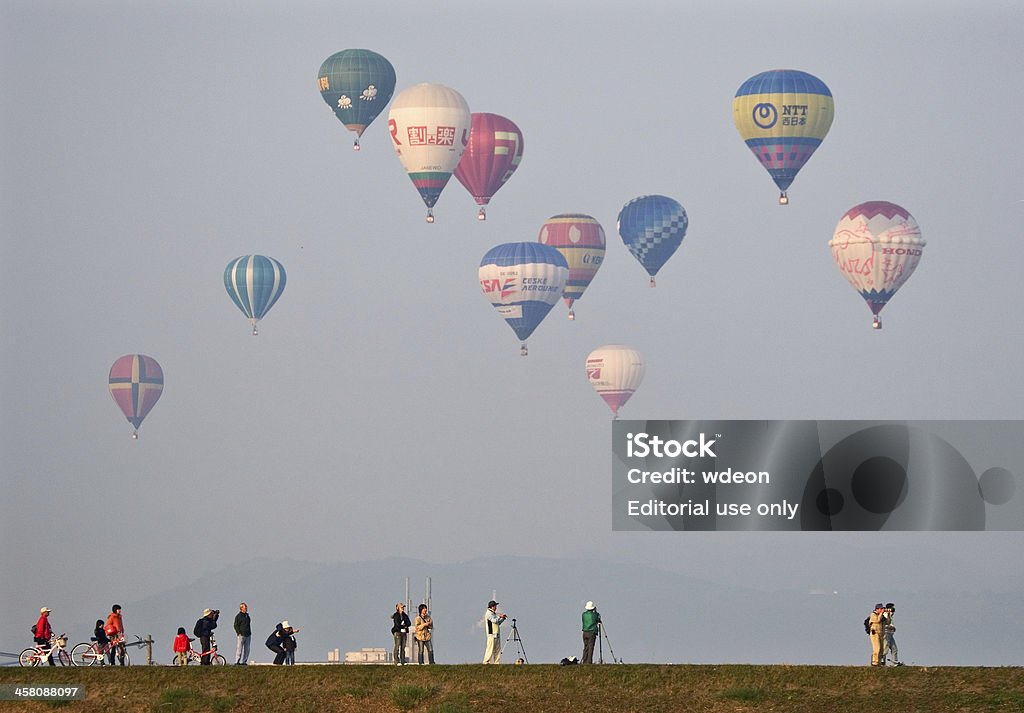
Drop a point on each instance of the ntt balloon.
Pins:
(136, 382)
(580, 239)
(254, 283)
(523, 281)
(877, 246)
(492, 155)
(429, 126)
(653, 228)
(783, 116)
(357, 85)
(615, 371)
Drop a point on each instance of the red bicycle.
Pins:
(92, 653)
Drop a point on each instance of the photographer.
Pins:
(493, 621)
(204, 630)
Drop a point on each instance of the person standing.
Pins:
(243, 630)
(275, 642)
(876, 630)
(181, 647)
(204, 630)
(424, 625)
(492, 622)
(591, 630)
(114, 628)
(42, 633)
(400, 625)
(891, 649)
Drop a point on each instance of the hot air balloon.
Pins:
(783, 115)
(136, 382)
(254, 282)
(357, 85)
(580, 239)
(429, 126)
(615, 371)
(877, 246)
(492, 155)
(523, 281)
(652, 227)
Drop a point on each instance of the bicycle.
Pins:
(35, 655)
(92, 653)
(215, 658)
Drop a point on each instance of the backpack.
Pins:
(867, 626)
(199, 627)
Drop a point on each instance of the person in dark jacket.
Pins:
(400, 625)
(243, 630)
(275, 642)
(99, 634)
(204, 630)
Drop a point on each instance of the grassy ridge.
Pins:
(529, 689)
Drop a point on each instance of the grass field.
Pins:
(483, 689)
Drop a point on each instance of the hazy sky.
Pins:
(384, 408)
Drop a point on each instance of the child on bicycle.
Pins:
(99, 635)
(181, 646)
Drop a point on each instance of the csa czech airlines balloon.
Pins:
(615, 371)
(580, 239)
(136, 382)
(357, 85)
(254, 282)
(429, 126)
(493, 154)
(783, 115)
(877, 246)
(523, 281)
(652, 227)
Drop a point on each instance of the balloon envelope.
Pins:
(615, 371)
(492, 155)
(652, 227)
(580, 239)
(136, 382)
(523, 281)
(254, 283)
(429, 126)
(783, 115)
(357, 84)
(877, 246)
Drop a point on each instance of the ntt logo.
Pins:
(641, 445)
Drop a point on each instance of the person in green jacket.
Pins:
(591, 630)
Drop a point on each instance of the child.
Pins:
(181, 646)
(100, 636)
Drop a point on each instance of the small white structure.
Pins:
(368, 656)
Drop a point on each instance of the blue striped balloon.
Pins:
(254, 282)
(653, 228)
(523, 281)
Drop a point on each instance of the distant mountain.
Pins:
(650, 615)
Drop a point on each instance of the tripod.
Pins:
(600, 648)
(514, 636)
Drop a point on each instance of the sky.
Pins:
(384, 409)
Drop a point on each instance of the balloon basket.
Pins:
(355, 145)
(876, 323)
(430, 216)
(783, 199)
(523, 351)
(482, 215)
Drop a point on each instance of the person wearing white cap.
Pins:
(42, 632)
(591, 630)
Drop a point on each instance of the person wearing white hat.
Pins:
(591, 630)
(42, 632)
